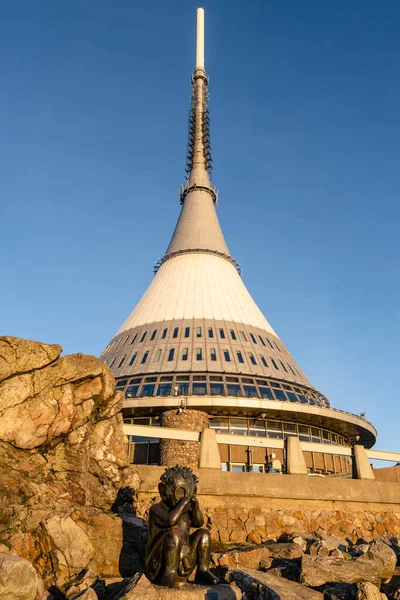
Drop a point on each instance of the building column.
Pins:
(361, 466)
(180, 452)
(209, 452)
(295, 463)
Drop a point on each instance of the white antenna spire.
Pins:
(200, 39)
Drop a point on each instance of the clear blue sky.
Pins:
(305, 129)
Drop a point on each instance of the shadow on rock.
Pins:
(134, 534)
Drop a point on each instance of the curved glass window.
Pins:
(147, 390)
(199, 388)
(217, 389)
(250, 391)
(279, 394)
(266, 393)
(132, 391)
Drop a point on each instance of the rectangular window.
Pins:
(275, 365)
(198, 332)
(210, 332)
(279, 394)
(233, 334)
(143, 337)
(121, 362)
(253, 338)
(147, 390)
(144, 359)
(153, 335)
(266, 393)
(304, 433)
(269, 342)
(292, 397)
(187, 332)
(171, 354)
(252, 359)
(240, 357)
(291, 369)
(220, 425)
(277, 347)
(199, 354)
(166, 378)
(126, 339)
(213, 354)
(222, 334)
(217, 389)
(261, 340)
(264, 362)
(157, 356)
(112, 362)
(283, 366)
(133, 359)
(243, 336)
(227, 356)
(132, 391)
(150, 379)
(121, 383)
(183, 389)
(134, 338)
(216, 378)
(289, 429)
(164, 334)
(257, 428)
(274, 430)
(233, 389)
(164, 389)
(250, 391)
(238, 426)
(199, 388)
(247, 380)
(176, 331)
(232, 379)
(185, 353)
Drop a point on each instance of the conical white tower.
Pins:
(198, 333)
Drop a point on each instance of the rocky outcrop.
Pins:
(377, 565)
(63, 456)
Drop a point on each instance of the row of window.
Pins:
(261, 428)
(215, 385)
(198, 333)
(199, 354)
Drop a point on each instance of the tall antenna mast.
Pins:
(200, 39)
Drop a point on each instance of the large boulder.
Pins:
(368, 591)
(255, 584)
(18, 579)
(375, 566)
(63, 457)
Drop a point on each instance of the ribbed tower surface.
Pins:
(198, 335)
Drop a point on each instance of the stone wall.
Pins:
(173, 452)
(250, 507)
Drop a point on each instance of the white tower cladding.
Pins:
(197, 329)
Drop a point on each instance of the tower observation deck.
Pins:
(197, 339)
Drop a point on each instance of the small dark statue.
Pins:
(172, 551)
